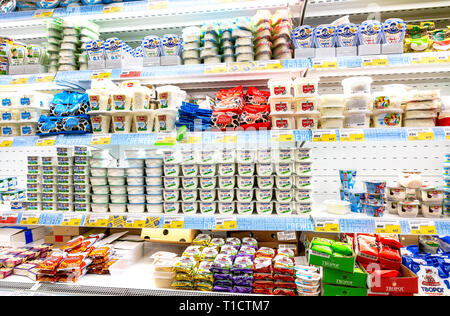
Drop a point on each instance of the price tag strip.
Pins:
(46, 141)
(388, 227)
(158, 5)
(447, 133)
(19, 80)
(375, 61)
(420, 134)
(112, 8)
(173, 221)
(166, 139)
(226, 138)
(225, 223)
(44, 78)
(325, 64)
(29, 219)
(101, 139)
(192, 138)
(8, 218)
(101, 75)
(324, 135)
(43, 13)
(422, 227)
(216, 69)
(352, 135)
(72, 220)
(329, 225)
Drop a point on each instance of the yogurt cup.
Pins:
(116, 172)
(244, 208)
(245, 156)
(189, 170)
(129, 189)
(207, 157)
(263, 195)
(284, 196)
(118, 199)
(99, 208)
(392, 207)
(171, 170)
(408, 208)
(284, 208)
(280, 105)
(100, 199)
(226, 156)
(121, 123)
(171, 207)
(375, 186)
(189, 207)
(136, 199)
(135, 172)
(280, 87)
(226, 207)
(99, 181)
(284, 183)
(430, 194)
(171, 183)
(302, 154)
(154, 172)
(157, 181)
(136, 208)
(245, 182)
(227, 182)
(189, 182)
(302, 181)
(171, 195)
(134, 163)
(207, 207)
(265, 182)
(284, 169)
(225, 195)
(226, 169)
(189, 195)
(246, 169)
(374, 199)
(264, 169)
(171, 157)
(303, 168)
(244, 195)
(431, 209)
(373, 211)
(397, 193)
(117, 208)
(188, 157)
(303, 207)
(156, 208)
(302, 195)
(134, 153)
(264, 156)
(120, 181)
(153, 162)
(283, 156)
(99, 163)
(207, 170)
(209, 182)
(264, 208)
(207, 195)
(153, 190)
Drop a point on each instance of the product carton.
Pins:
(405, 284)
(343, 263)
(336, 290)
(341, 278)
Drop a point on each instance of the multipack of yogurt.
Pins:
(347, 35)
(369, 32)
(303, 37)
(325, 36)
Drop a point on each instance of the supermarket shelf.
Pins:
(248, 139)
(133, 20)
(317, 221)
(326, 11)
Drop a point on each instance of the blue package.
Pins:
(151, 46)
(393, 31)
(348, 178)
(65, 3)
(171, 45)
(347, 35)
(69, 104)
(47, 4)
(356, 199)
(21, 4)
(325, 36)
(51, 125)
(303, 37)
(369, 33)
(373, 211)
(90, 2)
(375, 187)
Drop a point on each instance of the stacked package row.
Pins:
(59, 183)
(11, 194)
(129, 186)
(238, 181)
(20, 112)
(446, 174)
(133, 108)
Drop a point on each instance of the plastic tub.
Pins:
(429, 194)
(168, 95)
(246, 169)
(428, 122)
(283, 121)
(284, 169)
(263, 195)
(264, 208)
(98, 100)
(244, 182)
(332, 100)
(284, 208)
(119, 181)
(337, 207)
(189, 195)
(397, 193)
(244, 156)
(136, 199)
(357, 85)
(225, 195)
(171, 195)
(188, 157)
(189, 183)
(303, 207)
(357, 119)
(207, 170)
(28, 129)
(137, 208)
(279, 105)
(189, 170)
(431, 209)
(392, 207)
(121, 123)
(207, 195)
(302, 154)
(156, 208)
(358, 102)
(264, 169)
(227, 182)
(207, 208)
(116, 172)
(375, 187)
(9, 129)
(121, 100)
(244, 208)
(283, 196)
(306, 87)
(100, 199)
(99, 181)
(170, 207)
(150, 163)
(171, 170)
(283, 155)
(244, 195)
(99, 208)
(171, 157)
(226, 207)
(226, 169)
(303, 167)
(280, 87)
(117, 199)
(307, 121)
(408, 208)
(118, 208)
(305, 104)
(135, 172)
(143, 121)
(226, 156)
(285, 182)
(302, 195)
(331, 110)
(332, 122)
(189, 207)
(373, 211)
(207, 157)
(171, 183)
(134, 154)
(165, 120)
(264, 156)
(153, 190)
(387, 118)
(209, 182)
(156, 181)
(265, 182)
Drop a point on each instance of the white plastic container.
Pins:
(153, 190)
(265, 182)
(332, 122)
(430, 194)
(225, 195)
(117, 208)
(263, 195)
(358, 102)
(189, 195)
(143, 121)
(307, 121)
(244, 208)
(392, 207)
(121, 123)
(302, 195)
(246, 169)
(264, 208)
(134, 154)
(98, 172)
(208, 182)
(284, 196)
(226, 182)
(332, 100)
(171, 183)
(283, 155)
(207, 170)
(332, 110)
(357, 119)
(264, 169)
(171, 195)
(306, 87)
(207, 157)
(357, 85)
(188, 157)
(136, 199)
(284, 208)
(165, 120)
(116, 172)
(171, 170)
(154, 181)
(244, 182)
(226, 207)
(168, 96)
(118, 199)
(156, 208)
(305, 105)
(171, 157)
(264, 155)
(98, 99)
(207, 195)
(208, 207)
(281, 105)
(130, 190)
(284, 169)
(387, 118)
(154, 172)
(121, 100)
(283, 121)
(303, 168)
(99, 181)
(136, 208)
(99, 208)
(301, 154)
(284, 182)
(303, 182)
(189, 207)
(397, 193)
(303, 207)
(100, 199)
(141, 98)
(244, 195)
(226, 156)
(245, 156)
(151, 163)
(189, 170)
(337, 207)
(170, 207)
(226, 169)
(408, 208)
(189, 183)
(431, 209)
(280, 87)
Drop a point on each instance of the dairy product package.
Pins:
(347, 35)
(325, 36)
(393, 31)
(303, 37)
(369, 32)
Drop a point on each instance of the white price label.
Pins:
(282, 136)
(422, 227)
(324, 135)
(226, 138)
(225, 223)
(388, 227)
(420, 134)
(101, 139)
(173, 221)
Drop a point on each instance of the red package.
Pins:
(52, 262)
(385, 274)
(254, 116)
(255, 96)
(230, 100)
(284, 292)
(100, 252)
(85, 245)
(262, 291)
(391, 241)
(262, 276)
(265, 252)
(368, 247)
(262, 265)
(284, 277)
(231, 93)
(72, 244)
(264, 284)
(225, 120)
(285, 285)
(390, 254)
(73, 261)
(283, 265)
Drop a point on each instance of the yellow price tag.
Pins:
(282, 136)
(100, 75)
(39, 14)
(29, 219)
(375, 61)
(101, 140)
(97, 220)
(112, 8)
(166, 139)
(424, 60)
(21, 80)
(352, 135)
(44, 79)
(443, 59)
(225, 139)
(158, 5)
(225, 223)
(420, 134)
(135, 221)
(325, 64)
(422, 228)
(388, 227)
(173, 222)
(324, 136)
(6, 142)
(46, 141)
(269, 65)
(152, 222)
(215, 69)
(242, 66)
(327, 225)
(72, 220)
(447, 133)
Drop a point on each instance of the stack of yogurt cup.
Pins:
(229, 53)
(88, 32)
(54, 34)
(308, 280)
(446, 173)
(211, 39)
(358, 102)
(70, 46)
(243, 40)
(240, 181)
(191, 45)
(263, 35)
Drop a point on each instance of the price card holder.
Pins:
(422, 227)
(44, 78)
(173, 221)
(388, 227)
(43, 13)
(324, 135)
(325, 64)
(420, 134)
(226, 138)
(281, 136)
(8, 218)
(97, 220)
(46, 141)
(29, 219)
(225, 223)
(215, 69)
(6, 141)
(328, 225)
(130, 74)
(375, 61)
(104, 139)
(19, 80)
(72, 220)
(241, 66)
(112, 8)
(166, 139)
(352, 135)
(192, 138)
(135, 221)
(101, 75)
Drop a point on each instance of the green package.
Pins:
(322, 249)
(342, 248)
(321, 242)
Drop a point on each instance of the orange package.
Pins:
(100, 252)
(52, 262)
(72, 244)
(84, 246)
(73, 261)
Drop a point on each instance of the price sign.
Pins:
(152, 222)
(226, 138)
(112, 8)
(72, 220)
(44, 78)
(192, 138)
(325, 64)
(166, 139)
(282, 136)
(44, 13)
(375, 61)
(352, 135)
(8, 218)
(29, 219)
(6, 141)
(324, 135)
(387, 227)
(47, 141)
(443, 58)
(215, 69)
(269, 65)
(158, 5)
(97, 220)
(101, 74)
(174, 221)
(420, 134)
(447, 133)
(19, 80)
(225, 223)
(242, 66)
(422, 228)
(326, 225)
(424, 59)
(130, 74)
(100, 140)
(135, 221)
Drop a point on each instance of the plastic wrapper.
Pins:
(222, 263)
(216, 242)
(242, 289)
(52, 262)
(100, 252)
(390, 254)
(221, 288)
(246, 251)
(229, 250)
(185, 265)
(209, 254)
(225, 120)
(203, 272)
(390, 240)
(342, 248)
(262, 276)
(223, 282)
(69, 104)
(5, 272)
(242, 265)
(250, 241)
(84, 246)
(183, 285)
(203, 286)
(223, 276)
(283, 265)
(71, 261)
(193, 251)
(180, 276)
(286, 252)
(284, 292)
(256, 116)
(202, 240)
(255, 96)
(262, 265)
(262, 291)
(284, 277)
(265, 252)
(264, 284)
(48, 125)
(236, 242)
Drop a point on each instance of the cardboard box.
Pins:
(69, 231)
(335, 290)
(268, 236)
(52, 239)
(20, 236)
(162, 235)
(407, 283)
(346, 264)
(130, 231)
(341, 278)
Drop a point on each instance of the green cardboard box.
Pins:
(335, 290)
(341, 278)
(343, 263)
